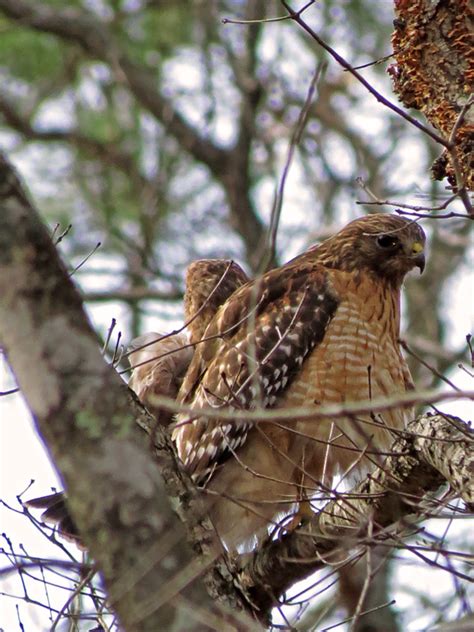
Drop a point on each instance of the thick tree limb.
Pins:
(91, 424)
(435, 450)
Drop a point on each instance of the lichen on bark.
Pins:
(434, 73)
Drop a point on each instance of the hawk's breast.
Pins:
(358, 359)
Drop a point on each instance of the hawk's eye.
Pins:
(387, 241)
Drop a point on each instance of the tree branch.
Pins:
(296, 16)
(435, 450)
(110, 153)
(238, 179)
(94, 38)
(131, 294)
(92, 424)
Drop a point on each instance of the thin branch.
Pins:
(131, 294)
(85, 259)
(296, 16)
(383, 605)
(270, 249)
(110, 153)
(332, 411)
(458, 171)
(372, 63)
(96, 40)
(377, 201)
(403, 479)
(9, 392)
(427, 365)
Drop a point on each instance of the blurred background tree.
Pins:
(161, 132)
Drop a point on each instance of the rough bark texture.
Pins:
(436, 449)
(434, 73)
(90, 422)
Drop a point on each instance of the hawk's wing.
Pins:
(209, 283)
(254, 347)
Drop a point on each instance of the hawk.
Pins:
(322, 329)
(209, 283)
(159, 362)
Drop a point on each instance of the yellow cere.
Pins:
(417, 247)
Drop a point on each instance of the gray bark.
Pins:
(92, 425)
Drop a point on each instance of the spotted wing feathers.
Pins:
(255, 345)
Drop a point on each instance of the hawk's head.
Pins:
(387, 246)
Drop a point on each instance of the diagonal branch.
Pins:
(95, 39)
(434, 451)
(110, 153)
(296, 16)
(92, 426)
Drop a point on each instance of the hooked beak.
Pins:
(420, 262)
(417, 252)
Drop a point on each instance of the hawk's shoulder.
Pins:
(253, 348)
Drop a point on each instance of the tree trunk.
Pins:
(92, 426)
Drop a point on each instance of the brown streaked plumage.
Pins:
(321, 329)
(209, 283)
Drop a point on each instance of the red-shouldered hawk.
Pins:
(322, 329)
(209, 283)
(159, 361)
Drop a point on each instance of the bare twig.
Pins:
(433, 369)
(296, 16)
(86, 258)
(412, 207)
(270, 249)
